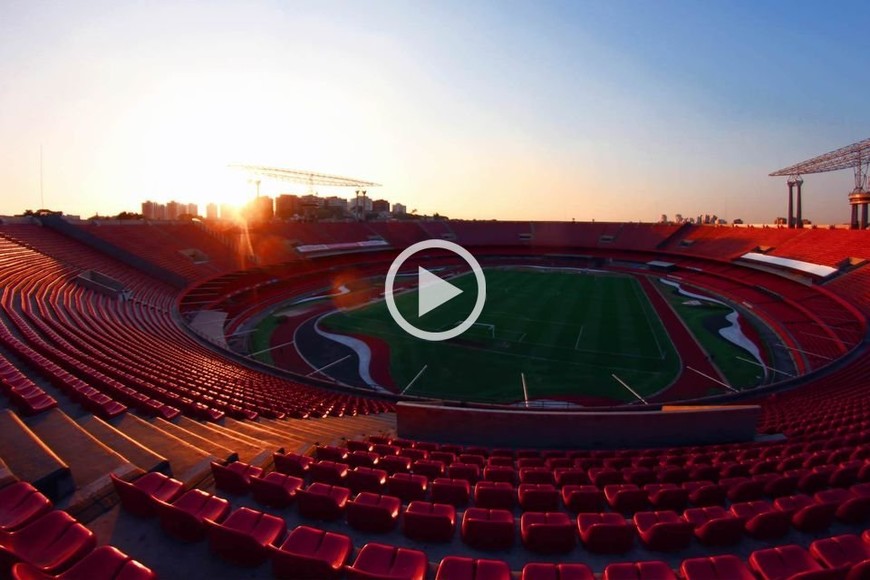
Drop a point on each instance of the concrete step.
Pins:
(269, 438)
(249, 450)
(27, 457)
(187, 462)
(89, 460)
(206, 444)
(139, 455)
(6, 475)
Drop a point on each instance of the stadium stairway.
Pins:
(62, 459)
(189, 463)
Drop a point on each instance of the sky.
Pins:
(606, 110)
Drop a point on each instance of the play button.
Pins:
(434, 291)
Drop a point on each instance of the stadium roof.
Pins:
(306, 177)
(855, 155)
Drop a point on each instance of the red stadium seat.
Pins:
(407, 487)
(141, 497)
(50, 543)
(20, 504)
(541, 571)
(840, 551)
(330, 453)
(292, 463)
(275, 489)
(500, 473)
(625, 498)
(582, 498)
(538, 497)
(388, 562)
(467, 471)
(605, 533)
(761, 520)
(725, 567)
(653, 570)
(104, 562)
(245, 536)
(663, 531)
(234, 477)
(667, 496)
(311, 553)
(547, 532)
(395, 464)
(788, 562)
(371, 512)
(329, 472)
(495, 495)
(714, 525)
(488, 529)
(185, 518)
(456, 492)
(429, 522)
(322, 501)
(459, 568)
(807, 515)
(428, 468)
(366, 479)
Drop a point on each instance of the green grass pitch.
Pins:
(566, 332)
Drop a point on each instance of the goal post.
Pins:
(488, 328)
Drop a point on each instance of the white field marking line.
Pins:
(242, 333)
(758, 364)
(333, 363)
(804, 351)
(522, 337)
(714, 379)
(414, 380)
(630, 390)
(525, 389)
(579, 335)
(270, 348)
(645, 304)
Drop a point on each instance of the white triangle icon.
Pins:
(434, 291)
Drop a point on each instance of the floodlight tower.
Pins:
(799, 220)
(791, 182)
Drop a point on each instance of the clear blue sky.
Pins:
(543, 110)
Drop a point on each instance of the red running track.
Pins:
(688, 384)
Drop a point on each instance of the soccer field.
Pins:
(567, 333)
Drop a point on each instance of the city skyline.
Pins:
(582, 111)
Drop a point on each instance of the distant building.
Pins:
(381, 206)
(399, 209)
(192, 209)
(211, 211)
(287, 206)
(152, 210)
(174, 209)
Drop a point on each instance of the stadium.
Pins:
(212, 404)
(634, 349)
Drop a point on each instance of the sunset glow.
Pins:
(608, 111)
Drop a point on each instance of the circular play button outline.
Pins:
(391, 281)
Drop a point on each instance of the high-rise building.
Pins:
(192, 209)
(211, 211)
(173, 210)
(381, 206)
(399, 209)
(287, 206)
(151, 210)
